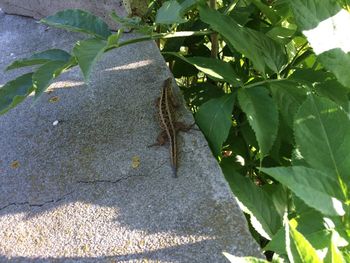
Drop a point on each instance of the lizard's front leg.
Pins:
(180, 126)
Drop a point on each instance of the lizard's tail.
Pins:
(174, 170)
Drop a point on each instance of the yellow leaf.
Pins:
(15, 164)
(135, 163)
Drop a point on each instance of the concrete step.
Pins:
(77, 180)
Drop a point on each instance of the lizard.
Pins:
(166, 105)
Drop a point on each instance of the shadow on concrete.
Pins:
(89, 184)
(173, 254)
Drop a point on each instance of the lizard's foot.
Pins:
(161, 140)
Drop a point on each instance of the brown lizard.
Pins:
(166, 105)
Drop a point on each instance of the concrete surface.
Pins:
(42, 8)
(89, 189)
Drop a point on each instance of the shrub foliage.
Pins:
(268, 83)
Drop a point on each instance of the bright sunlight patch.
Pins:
(331, 33)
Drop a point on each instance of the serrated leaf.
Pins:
(216, 69)
(309, 13)
(310, 76)
(324, 83)
(15, 91)
(326, 26)
(41, 58)
(79, 21)
(262, 115)
(298, 247)
(333, 90)
(315, 188)
(323, 138)
(255, 201)
(259, 48)
(337, 61)
(87, 53)
(289, 96)
(215, 120)
(170, 13)
(45, 74)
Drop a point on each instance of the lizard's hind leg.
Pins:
(161, 139)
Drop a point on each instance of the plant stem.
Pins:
(286, 70)
(214, 36)
(160, 35)
(231, 7)
(264, 82)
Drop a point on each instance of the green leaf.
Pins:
(45, 74)
(333, 254)
(234, 259)
(114, 39)
(310, 224)
(315, 188)
(79, 21)
(309, 13)
(281, 34)
(15, 91)
(323, 137)
(254, 201)
(270, 13)
(248, 134)
(260, 49)
(262, 115)
(129, 22)
(87, 53)
(242, 15)
(333, 90)
(289, 96)
(317, 228)
(326, 25)
(41, 58)
(337, 61)
(170, 13)
(215, 120)
(183, 69)
(298, 247)
(201, 93)
(319, 240)
(324, 83)
(132, 23)
(279, 196)
(216, 69)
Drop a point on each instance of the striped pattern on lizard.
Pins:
(166, 105)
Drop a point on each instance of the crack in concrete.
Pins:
(67, 194)
(38, 204)
(77, 183)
